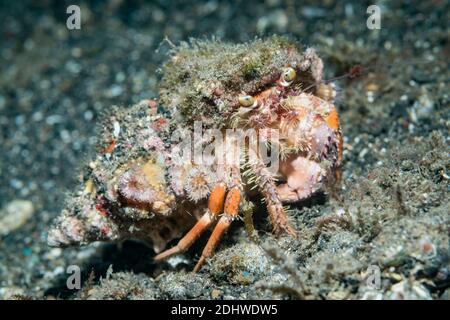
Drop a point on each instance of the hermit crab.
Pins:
(175, 167)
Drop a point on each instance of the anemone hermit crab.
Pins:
(139, 187)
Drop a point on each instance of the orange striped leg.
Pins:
(230, 212)
(215, 206)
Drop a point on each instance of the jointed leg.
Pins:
(215, 206)
(230, 212)
(268, 189)
(276, 211)
(216, 203)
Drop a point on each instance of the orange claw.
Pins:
(230, 212)
(215, 205)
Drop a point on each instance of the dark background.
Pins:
(55, 84)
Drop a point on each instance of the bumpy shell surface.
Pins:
(132, 158)
(203, 79)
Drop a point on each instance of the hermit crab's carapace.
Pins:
(139, 187)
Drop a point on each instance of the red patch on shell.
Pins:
(110, 148)
(104, 231)
(159, 125)
(101, 210)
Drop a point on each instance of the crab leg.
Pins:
(215, 206)
(267, 187)
(230, 212)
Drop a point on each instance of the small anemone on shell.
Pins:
(142, 187)
(133, 189)
(197, 184)
(136, 185)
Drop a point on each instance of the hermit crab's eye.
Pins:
(246, 101)
(289, 74)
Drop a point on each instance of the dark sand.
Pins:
(393, 212)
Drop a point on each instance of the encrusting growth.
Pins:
(138, 187)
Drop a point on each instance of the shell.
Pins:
(136, 189)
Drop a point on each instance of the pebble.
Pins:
(14, 215)
(276, 19)
(422, 108)
(53, 254)
(405, 291)
(215, 293)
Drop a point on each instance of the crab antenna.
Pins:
(354, 72)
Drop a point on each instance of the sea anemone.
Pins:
(197, 184)
(134, 189)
